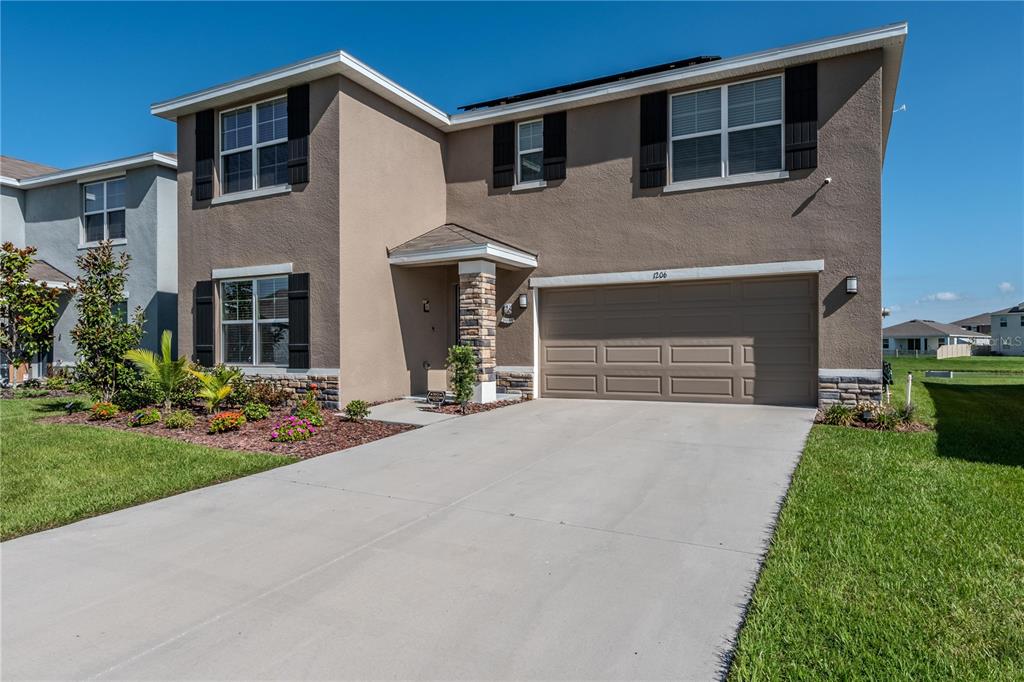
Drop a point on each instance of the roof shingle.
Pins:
(20, 169)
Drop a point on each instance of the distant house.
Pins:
(981, 323)
(925, 336)
(132, 202)
(1008, 330)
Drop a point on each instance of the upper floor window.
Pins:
(254, 321)
(530, 151)
(250, 160)
(103, 211)
(1002, 321)
(726, 131)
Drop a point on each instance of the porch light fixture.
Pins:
(851, 284)
(523, 300)
(426, 305)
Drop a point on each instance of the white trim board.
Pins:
(252, 271)
(890, 37)
(493, 252)
(99, 171)
(681, 274)
(873, 374)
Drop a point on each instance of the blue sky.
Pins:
(78, 79)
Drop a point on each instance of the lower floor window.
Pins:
(254, 321)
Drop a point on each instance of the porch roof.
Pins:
(41, 271)
(451, 243)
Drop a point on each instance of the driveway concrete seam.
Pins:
(640, 536)
(320, 567)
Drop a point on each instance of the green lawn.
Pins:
(900, 555)
(55, 474)
(1010, 369)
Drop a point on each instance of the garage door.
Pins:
(734, 341)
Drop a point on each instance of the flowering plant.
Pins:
(226, 421)
(308, 408)
(103, 411)
(292, 429)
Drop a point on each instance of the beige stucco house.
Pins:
(707, 230)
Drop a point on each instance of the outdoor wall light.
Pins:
(851, 284)
(426, 305)
(523, 300)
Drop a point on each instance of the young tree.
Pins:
(101, 336)
(28, 309)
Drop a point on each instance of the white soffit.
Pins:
(681, 274)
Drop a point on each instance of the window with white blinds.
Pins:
(726, 131)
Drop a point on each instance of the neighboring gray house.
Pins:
(1008, 330)
(131, 201)
(924, 337)
(977, 323)
(706, 230)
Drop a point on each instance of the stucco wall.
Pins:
(53, 224)
(12, 216)
(301, 227)
(392, 189)
(597, 220)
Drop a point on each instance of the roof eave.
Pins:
(889, 38)
(97, 170)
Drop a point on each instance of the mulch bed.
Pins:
(913, 427)
(336, 434)
(473, 408)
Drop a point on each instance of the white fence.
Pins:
(956, 350)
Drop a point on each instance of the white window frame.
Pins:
(1002, 321)
(255, 321)
(539, 182)
(723, 130)
(83, 233)
(253, 147)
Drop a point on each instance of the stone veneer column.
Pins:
(478, 322)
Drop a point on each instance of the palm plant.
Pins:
(216, 387)
(165, 372)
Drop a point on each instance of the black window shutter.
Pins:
(202, 177)
(504, 154)
(203, 324)
(298, 320)
(554, 146)
(653, 139)
(298, 134)
(802, 117)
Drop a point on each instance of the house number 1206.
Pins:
(660, 274)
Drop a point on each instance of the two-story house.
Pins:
(706, 230)
(132, 202)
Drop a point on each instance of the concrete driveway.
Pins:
(553, 539)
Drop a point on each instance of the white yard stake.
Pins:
(910, 382)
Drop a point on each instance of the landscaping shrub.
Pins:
(30, 393)
(187, 390)
(145, 417)
(462, 368)
(309, 409)
(180, 419)
(215, 385)
(134, 391)
(292, 429)
(226, 421)
(838, 414)
(32, 383)
(57, 381)
(357, 410)
(255, 412)
(267, 392)
(103, 411)
(162, 371)
(887, 420)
